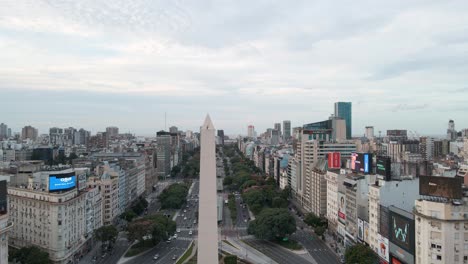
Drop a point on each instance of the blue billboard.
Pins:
(62, 182)
(362, 162)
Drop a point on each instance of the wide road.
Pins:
(186, 221)
(277, 253)
(316, 247)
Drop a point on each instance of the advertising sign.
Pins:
(402, 232)
(447, 187)
(62, 182)
(341, 207)
(353, 161)
(3, 197)
(366, 232)
(334, 160)
(383, 249)
(361, 162)
(360, 229)
(383, 167)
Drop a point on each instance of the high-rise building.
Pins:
(56, 136)
(343, 110)
(112, 131)
(277, 126)
(286, 129)
(251, 131)
(3, 131)
(451, 132)
(173, 129)
(370, 132)
(221, 137)
(163, 154)
(426, 147)
(29, 132)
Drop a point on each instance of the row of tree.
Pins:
(154, 228)
(319, 224)
(174, 196)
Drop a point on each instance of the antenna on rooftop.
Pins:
(165, 121)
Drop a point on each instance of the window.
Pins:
(439, 257)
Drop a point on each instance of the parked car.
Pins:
(190, 232)
(156, 256)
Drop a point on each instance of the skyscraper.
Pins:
(369, 132)
(251, 131)
(278, 127)
(343, 110)
(163, 153)
(29, 132)
(451, 132)
(286, 129)
(221, 137)
(112, 131)
(3, 131)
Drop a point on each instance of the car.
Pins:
(175, 236)
(178, 230)
(156, 256)
(245, 220)
(183, 214)
(194, 221)
(185, 218)
(94, 259)
(169, 240)
(185, 210)
(174, 257)
(190, 232)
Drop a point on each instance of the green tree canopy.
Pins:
(106, 233)
(272, 223)
(361, 254)
(174, 196)
(31, 255)
(230, 259)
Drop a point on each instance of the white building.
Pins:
(50, 213)
(334, 180)
(108, 184)
(441, 232)
(93, 210)
(400, 194)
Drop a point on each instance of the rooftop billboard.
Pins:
(447, 187)
(62, 182)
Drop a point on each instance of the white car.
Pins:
(190, 232)
(185, 218)
(175, 236)
(185, 211)
(178, 230)
(156, 256)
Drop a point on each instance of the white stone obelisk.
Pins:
(207, 212)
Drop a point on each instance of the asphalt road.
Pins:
(316, 247)
(277, 253)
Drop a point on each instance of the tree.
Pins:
(106, 234)
(279, 202)
(312, 220)
(230, 259)
(139, 228)
(272, 223)
(31, 255)
(128, 215)
(360, 253)
(175, 170)
(174, 196)
(227, 180)
(320, 230)
(286, 192)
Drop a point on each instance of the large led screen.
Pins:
(62, 182)
(402, 232)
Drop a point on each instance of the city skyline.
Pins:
(146, 58)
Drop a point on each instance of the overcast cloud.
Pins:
(95, 63)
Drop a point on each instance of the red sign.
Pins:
(334, 160)
(342, 215)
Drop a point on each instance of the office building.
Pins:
(173, 130)
(369, 132)
(277, 127)
(221, 137)
(286, 129)
(426, 148)
(344, 110)
(29, 132)
(251, 131)
(56, 136)
(163, 154)
(397, 135)
(112, 131)
(451, 132)
(3, 131)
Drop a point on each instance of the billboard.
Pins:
(446, 187)
(3, 197)
(341, 207)
(360, 229)
(334, 160)
(361, 162)
(401, 232)
(383, 248)
(61, 182)
(366, 232)
(383, 167)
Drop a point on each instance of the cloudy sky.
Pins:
(95, 63)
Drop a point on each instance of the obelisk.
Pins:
(207, 212)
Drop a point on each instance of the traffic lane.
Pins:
(164, 250)
(316, 247)
(277, 253)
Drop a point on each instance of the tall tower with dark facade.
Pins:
(343, 110)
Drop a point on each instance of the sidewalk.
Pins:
(246, 252)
